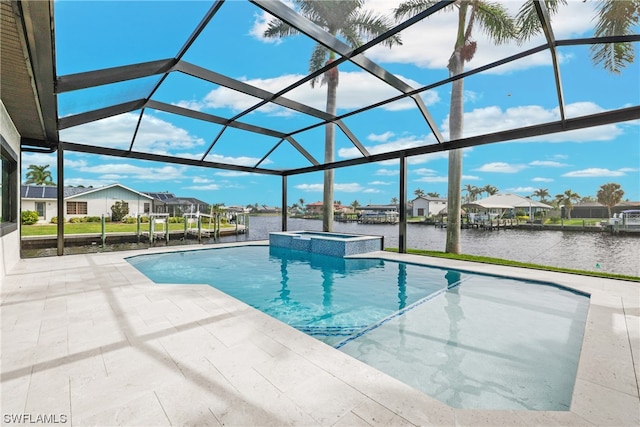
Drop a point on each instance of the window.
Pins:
(41, 209)
(420, 211)
(76, 208)
(9, 190)
(147, 207)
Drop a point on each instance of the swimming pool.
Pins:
(470, 340)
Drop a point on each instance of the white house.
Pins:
(80, 202)
(427, 206)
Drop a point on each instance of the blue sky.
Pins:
(95, 35)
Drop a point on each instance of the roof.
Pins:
(161, 195)
(184, 201)
(50, 191)
(506, 201)
(430, 199)
(42, 103)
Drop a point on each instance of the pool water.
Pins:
(472, 341)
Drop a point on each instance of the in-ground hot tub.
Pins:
(332, 244)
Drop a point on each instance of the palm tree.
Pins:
(566, 199)
(394, 200)
(489, 189)
(39, 175)
(610, 195)
(542, 194)
(494, 19)
(355, 205)
(339, 18)
(433, 194)
(614, 18)
(472, 192)
(419, 192)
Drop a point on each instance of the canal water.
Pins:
(592, 251)
(570, 249)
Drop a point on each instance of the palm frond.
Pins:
(527, 20)
(413, 7)
(319, 57)
(279, 29)
(368, 25)
(615, 18)
(495, 21)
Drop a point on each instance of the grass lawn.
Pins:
(499, 261)
(93, 227)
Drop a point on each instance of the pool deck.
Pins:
(90, 340)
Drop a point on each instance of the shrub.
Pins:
(119, 210)
(29, 217)
(94, 219)
(176, 219)
(54, 220)
(78, 219)
(144, 219)
(554, 219)
(130, 220)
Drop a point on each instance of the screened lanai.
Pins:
(74, 89)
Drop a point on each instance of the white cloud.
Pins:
(371, 191)
(437, 179)
(357, 89)
(540, 179)
(379, 183)
(387, 172)
(526, 190)
(128, 171)
(240, 161)
(493, 119)
(199, 180)
(380, 138)
(593, 173)
(234, 173)
(316, 188)
(348, 188)
(629, 170)
(425, 171)
(547, 163)
(432, 179)
(207, 187)
(500, 167)
(572, 19)
(154, 135)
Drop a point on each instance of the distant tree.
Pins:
(586, 199)
(472, 193)
(567, 199)
(355, 205)
(119, 210)
(610, 194)
(433, 194)
(489, 189)
(419, 192)
(394, 200)
(39, 175)
(542, 194)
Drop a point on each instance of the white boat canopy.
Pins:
(506, 201)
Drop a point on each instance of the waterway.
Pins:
(592, 251)
(570, 249)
